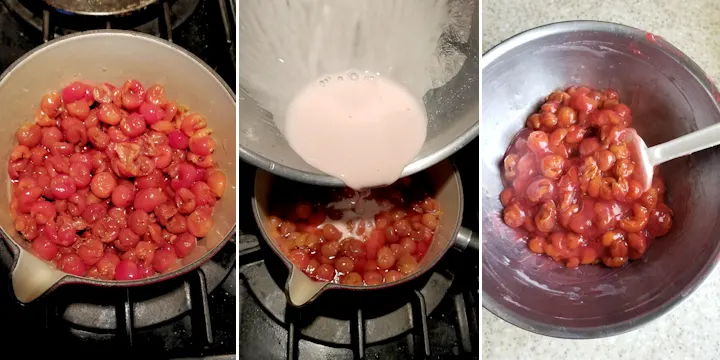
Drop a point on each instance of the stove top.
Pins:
(192, 316)
(434, 317)
(205, 28)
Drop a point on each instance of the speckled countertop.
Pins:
(691, 330)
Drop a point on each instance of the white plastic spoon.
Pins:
(647, 158)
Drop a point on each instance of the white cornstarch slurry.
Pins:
(344, 80)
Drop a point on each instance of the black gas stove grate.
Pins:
(449, 330)
(204, 27)
(159, 18)
(419, 337)
(199, 313)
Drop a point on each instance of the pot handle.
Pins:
(301, 289)
(467, 239)
(32, 277)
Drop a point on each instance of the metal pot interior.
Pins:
(115, 56)
(452, 111)
(669, 96)
(447, 191)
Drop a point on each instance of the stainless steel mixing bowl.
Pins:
(669, 96)
(452, 110)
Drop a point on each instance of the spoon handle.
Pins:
(685, 145)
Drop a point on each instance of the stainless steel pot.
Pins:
(301, 290)
(113, 56)
(669, 96)
(453, 122)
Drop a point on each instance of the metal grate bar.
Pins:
(48, 30)
(358, 335)
(473, 318)
(420, 324)
(200, 305)
(229, 27)
(165, 21)
(125, 318)
(292, 338)
(463, 326)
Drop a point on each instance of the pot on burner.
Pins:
(446, 189)
(113, 56)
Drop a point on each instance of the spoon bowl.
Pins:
(639, 153)
(646, 159)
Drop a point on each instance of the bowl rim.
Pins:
(564, 332)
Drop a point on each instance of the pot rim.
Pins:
(73, 279)
(621, 327)
(333, 286)
(307, 177)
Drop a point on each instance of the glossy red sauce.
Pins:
(569, 183)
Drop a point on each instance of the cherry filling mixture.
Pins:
(569, 183)
(114, 182)
(354, 238)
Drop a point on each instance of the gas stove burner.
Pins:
(99, 7)
(335, 316)
(62, 17)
